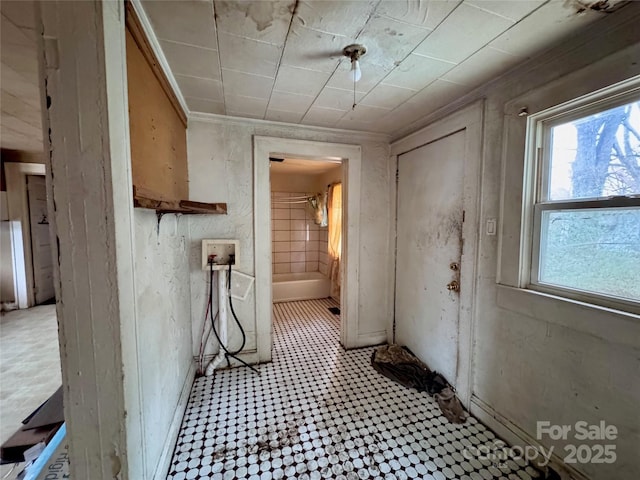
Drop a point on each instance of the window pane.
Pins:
(593, 250)
(596, 156)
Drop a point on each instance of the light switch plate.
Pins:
(491, 226)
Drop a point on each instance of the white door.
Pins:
(430, 216)
(40, 240)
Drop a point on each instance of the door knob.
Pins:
(453, 286)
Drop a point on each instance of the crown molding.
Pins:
(257, 122)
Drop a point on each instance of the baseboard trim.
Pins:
(370, 339)
(164, 463)
(514, 435)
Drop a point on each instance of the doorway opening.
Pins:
(29, 349)
(306, 231)
(42, 263)
(348, 158)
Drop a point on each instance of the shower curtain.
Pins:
(335, 237)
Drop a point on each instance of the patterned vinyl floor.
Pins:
(318, 411)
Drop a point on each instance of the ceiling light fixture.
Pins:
(354, 52)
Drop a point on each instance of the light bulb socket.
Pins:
(354, 51)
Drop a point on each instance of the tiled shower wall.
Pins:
(299, 245)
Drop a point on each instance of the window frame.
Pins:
(536, 183)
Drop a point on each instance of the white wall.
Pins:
(220, 155)
(539, 358)
(163, 313)
(7, 293)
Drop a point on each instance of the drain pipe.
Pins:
(222, 315)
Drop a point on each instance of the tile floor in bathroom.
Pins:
(318, 411)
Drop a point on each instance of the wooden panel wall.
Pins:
(157, 126)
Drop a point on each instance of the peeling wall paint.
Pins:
(163, 322)
(221, 170)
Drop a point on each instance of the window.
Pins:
(584, 199)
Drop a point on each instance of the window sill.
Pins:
(612, 325)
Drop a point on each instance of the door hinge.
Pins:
(397, 174)
(464, 214)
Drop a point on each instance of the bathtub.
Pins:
(288, 287)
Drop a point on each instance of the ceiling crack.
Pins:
(215, 23)
(284, 44)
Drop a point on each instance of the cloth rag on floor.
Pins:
(401, 366)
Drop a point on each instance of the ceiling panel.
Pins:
(249, 56)
(21, 110)
(185, 21)
(21, 14)
(335, 98)
(283, 116)
(438, 94)
(513, 10)
(526, 38)
(204, 105)
(204, 88)
(189, 60)
(264, 21)
(387, 96)
(417, 71)
(245, 84)
(389, 41)
(486, 64)
(290, 102)
(21, 120)
(249, 106)
(307, 48)
(345, 19)
(404, 114)
(364, 113)
(425, 14)
(323, 117)
(299, 80)
(466, 30)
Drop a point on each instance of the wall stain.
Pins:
(605, 6)
(262, 14)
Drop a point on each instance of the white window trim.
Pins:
(536, 169)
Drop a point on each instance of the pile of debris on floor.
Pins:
(400, 365)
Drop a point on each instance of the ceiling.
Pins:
(310, 167)
(20, 120)
(281, 60)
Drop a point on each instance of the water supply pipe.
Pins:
(222, 315)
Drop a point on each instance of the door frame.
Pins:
(470, 119)
(37, 286)
(351, 157)
(18, 208)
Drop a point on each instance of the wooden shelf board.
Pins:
(145, 199)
